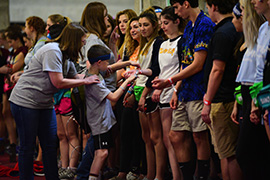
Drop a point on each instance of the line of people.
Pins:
(159, 91)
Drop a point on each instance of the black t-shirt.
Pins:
(221, 47)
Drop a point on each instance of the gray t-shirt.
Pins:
(94, 40)
(34, 89)
(99, 111)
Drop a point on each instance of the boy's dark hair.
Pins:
(224, 6)
(97, 51)
(193, 3)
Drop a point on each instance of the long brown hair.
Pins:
(152, 17)
(38, 24)
(70, 41)
(93, 18)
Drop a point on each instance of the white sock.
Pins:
(92, 177)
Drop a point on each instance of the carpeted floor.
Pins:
(4, 162)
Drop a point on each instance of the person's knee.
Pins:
(201, 138)
(146, 137)
(102, 154)
(61, 136)
(156, 137)
(176, 138)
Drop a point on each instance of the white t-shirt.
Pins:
(169, 65)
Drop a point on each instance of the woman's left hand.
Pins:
(114, 36)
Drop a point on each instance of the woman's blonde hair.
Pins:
(93, 18)
(130, 43)
(152, 17)
(70, 41)
(59, 19)
(251, 23)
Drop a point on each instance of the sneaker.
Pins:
(109, 172)
(132, 176)
(38, 168)
(11, 150)
(116, 178)
(67, 173)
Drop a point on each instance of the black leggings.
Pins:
(132, 148)
(253, 147)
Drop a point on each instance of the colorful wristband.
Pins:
(170, 81)
(122, 88)
(206, 102)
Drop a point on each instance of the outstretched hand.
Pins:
(129, 73)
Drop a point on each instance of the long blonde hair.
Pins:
(152, 17)
(130, 43)
(251, 23)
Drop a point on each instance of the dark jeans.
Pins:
(87, 159)
(253, 146)
(30, 124)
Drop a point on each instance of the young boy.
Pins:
(100, 116)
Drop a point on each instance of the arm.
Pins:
(214, 81)
(234, 113)
(18, 63)
(118, 93)
(112, 42)
(174, 100)
(141, 103)
(60, 82)
(195, 67)
(120, 65)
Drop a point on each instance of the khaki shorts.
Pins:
(187, 117)
(223, 130)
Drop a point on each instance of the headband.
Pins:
(158, 10)
(237, 10)
(102, 58)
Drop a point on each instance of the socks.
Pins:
(93, 177)
(203, 169)
(187, 170)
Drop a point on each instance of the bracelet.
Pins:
(122, 88)
(206, 102)
(170, 81)
(130, 92)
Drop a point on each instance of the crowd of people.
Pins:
(173, 93)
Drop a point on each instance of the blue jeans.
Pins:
(31, 123)
(87, 159)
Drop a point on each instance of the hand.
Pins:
(254, 114)
(129, 101)
(91, 79)
(174, 101)
(160, 83)
(206, 114)
(114, 36)
(156, 95)
(265, 117)
(129, 73)
(141, 104)
(133, 63)
(15, 77)
(5, 70)
(131, 78)
(234, 115)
